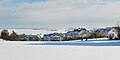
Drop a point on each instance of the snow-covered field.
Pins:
(72, 50)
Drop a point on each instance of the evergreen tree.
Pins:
(14, 36)
(5, 34)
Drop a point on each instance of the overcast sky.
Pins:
(58, 13)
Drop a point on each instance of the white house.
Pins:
(80, 33)
(23, 37)
(86, 35)
(72, 35)
(53, 37)
(112, 34)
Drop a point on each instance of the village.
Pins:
(113, 33)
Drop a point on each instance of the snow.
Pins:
(66, 50)
(91, 42)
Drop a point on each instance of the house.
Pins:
(71, 35)
(34, 38)
(54, 37)
(118, 29)
(46, 37)
(100, 32)
(113, 33)
(107, 30)
(23, 37)
(86, 35)
(80, 33)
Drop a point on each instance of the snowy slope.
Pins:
(90, 42)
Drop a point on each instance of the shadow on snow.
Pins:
(82, 43)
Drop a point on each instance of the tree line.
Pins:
(5, 35)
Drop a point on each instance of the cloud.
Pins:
(60, 12)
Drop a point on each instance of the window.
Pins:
(113, 31)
